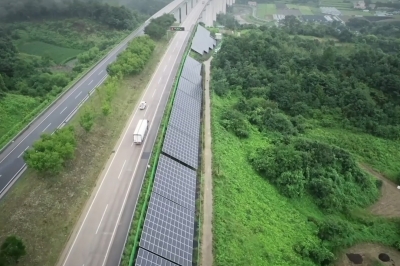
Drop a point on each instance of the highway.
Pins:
(100, 234)
(11, 159)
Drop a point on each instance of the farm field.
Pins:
(265, 9)
(58, 54)
(305, 10)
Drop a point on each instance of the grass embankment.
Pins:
(43, 211)
(254, 224)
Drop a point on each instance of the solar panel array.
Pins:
(202, 41)
(145, 258)
(169, 227)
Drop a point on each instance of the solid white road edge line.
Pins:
(112, 160)
(98, 227)
(140, 154)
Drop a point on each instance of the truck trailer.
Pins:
(140, 131)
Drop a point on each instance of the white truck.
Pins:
(140, 131)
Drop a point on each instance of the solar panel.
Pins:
(202, 41)
(185, 121)
(182, 147)
(168, 230)
(195, 91)
(175, 182)
(145, 258)
(185, 102)
(191, 70)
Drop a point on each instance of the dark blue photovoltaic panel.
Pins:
(194, 91)
(145, 258)
(202, 41)
(185, 102)
(175, 182)
(182, 147)
(168, 230)
(185, 121)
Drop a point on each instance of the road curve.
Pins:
(11, 159)
(99, 237)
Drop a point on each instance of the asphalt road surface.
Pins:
(100, 234)
(11, 159)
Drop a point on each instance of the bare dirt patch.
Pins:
(389, 203)
(371, 254)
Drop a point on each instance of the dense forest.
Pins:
(274, 88)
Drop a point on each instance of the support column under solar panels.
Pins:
(193, 90)
(175, 182)
(182, 147)
(168, 230)
(145, 258)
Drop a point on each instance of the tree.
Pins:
(50, 153)
(12, 250)
(158, 27)
(86, 120)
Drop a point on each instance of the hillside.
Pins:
(293, 120)
(45, 45)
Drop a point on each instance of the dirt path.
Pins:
(389, 203)
(206, 243)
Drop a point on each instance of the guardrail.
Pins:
(158, 152)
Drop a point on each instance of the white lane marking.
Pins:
(159, 80)
(132, 144)
(112, 160)
(169, 58)
(164, 69)
(90, 82)
(22, 152)
(78, 85)
(46, 127)
(137, 163)
(154, 92)
(63, 110)
(100, 73)
(98, 227)
(121, 169)
(78, 94)
(104, 177)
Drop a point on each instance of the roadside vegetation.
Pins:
(293, 120)
(43, 206)
(45, 46)
(158, 27)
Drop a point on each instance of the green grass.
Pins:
(305, 10)
(56, 53)
(253, 224)
(381, 154)
(264, 10)
(14, 108)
